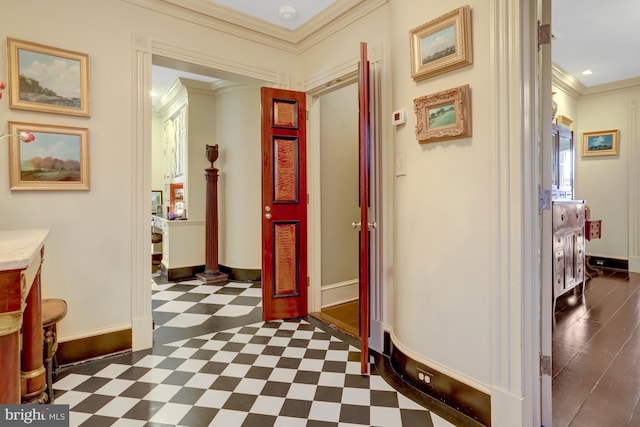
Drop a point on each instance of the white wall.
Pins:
(89, 252)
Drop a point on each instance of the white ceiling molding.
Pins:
(566, 82)
(211, 15)
(577, 90)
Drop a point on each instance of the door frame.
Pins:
(342, 75)
(144, 47)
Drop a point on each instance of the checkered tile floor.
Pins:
(278, 373)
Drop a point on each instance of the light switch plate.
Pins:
(401, 165)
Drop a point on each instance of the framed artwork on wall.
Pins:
(156, 202)
(565, 122)
(57, 159)
(443, 115)
(442, 44)
(602, 143)
(47, 79)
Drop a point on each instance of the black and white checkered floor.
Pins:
(224, 367)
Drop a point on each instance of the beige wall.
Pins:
(89, 252)
(443, 212)
(440, 265)
(339, 186)
(604, 181)
(240, 183)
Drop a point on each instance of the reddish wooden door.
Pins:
(364, 171)
(284, 204)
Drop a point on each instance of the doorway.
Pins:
(338, 170)
(338, 165)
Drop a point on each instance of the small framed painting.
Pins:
(602, 143)
(442, 44)
(48, 79)
(57, 159)
(156, 202)
(443, 115)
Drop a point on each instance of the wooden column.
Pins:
(212, 274)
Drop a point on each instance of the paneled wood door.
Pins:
(284, 204)
(364, 153)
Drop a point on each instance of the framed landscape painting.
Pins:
(602, 143)
(48, 79)
(442, 44)
(443, 115)
(57, 159)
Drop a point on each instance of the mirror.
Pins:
(562, 163)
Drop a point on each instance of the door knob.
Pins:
(268, 216)
(356, 224)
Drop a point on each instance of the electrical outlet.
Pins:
(425, 377)
(401, 165)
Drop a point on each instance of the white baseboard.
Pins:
(634, 264)
(339, 293)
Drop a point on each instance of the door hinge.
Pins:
(544, 199)
(308, 282)
(545, 365)
(307, 114)
(307, 198)
(544, 34)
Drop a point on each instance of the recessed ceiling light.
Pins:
(153, 93)
(287, 12)
(587, 72)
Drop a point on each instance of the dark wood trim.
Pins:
(83, 349)
(456, 394)
(242, 274)
(181, 273)
(608, 263)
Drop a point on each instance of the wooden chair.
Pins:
(53, 311)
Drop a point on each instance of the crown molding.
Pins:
(611, 88)
(577, 90)
(566, 82)
(221, 18)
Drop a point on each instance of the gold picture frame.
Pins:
(47, 79)
(601, 143)
(58, 158)
(443, 115)
(442, 44)
(565, 122)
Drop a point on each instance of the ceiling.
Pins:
(588, 34)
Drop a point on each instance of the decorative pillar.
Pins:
(211, 273)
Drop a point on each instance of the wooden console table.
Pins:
(23, 378)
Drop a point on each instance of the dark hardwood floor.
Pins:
(345, 317)
(596, 354)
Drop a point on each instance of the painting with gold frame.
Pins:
(443, 115)
(565, 122)
(601, 143)
(47, 79)
(442, 44)
(58, 158)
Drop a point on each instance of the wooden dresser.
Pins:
(568, 246)
(23, 378)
